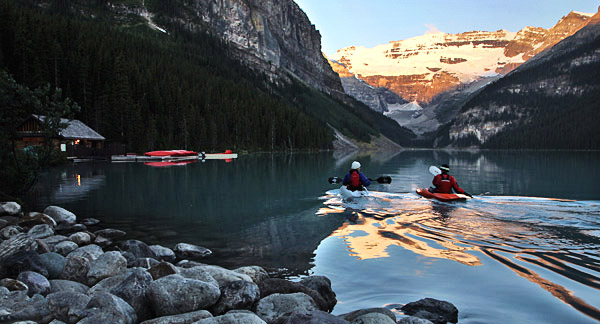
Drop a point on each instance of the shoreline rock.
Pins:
(53, 270)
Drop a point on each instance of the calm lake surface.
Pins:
(526, 249)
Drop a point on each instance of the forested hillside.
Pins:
(152, 90)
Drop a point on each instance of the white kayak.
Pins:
(352, 194)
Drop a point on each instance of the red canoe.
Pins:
(441, 196)
(171, 153)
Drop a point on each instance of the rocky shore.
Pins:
(54, 269)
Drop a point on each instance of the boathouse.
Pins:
(76, 137)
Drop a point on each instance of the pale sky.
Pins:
(369, 23)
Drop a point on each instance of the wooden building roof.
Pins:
(75, 129)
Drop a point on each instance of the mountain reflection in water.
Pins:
(552, 243)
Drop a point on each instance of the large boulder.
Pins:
(81, 238)
(58, 285)
(10, 208)
(106, 265)
(200, 273)
(222, 275)
(282, 286)
(137, 248)
(41, 231)
(67, 306)
(90, 252)
(109, 283)
(134, 290)
(190, 251)
(322, 285)
(315, 317)
(236, 295)
(233, 318)
(163, 253)
(436, 311)
(367, 315)
(256, 273)
(76, 269)
(54, 263)
(52, 241)
(61, 215)
(107, 308)
(276, 307)
(65, 247)
(36, 283)
(186, 318)
(24, 261)
(175, 294)
(163, 269)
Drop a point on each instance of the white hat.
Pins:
(355, 165)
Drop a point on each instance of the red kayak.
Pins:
(441, 196)
(171, 153)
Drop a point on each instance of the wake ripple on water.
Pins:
(552, 243)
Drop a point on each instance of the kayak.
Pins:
(441, 196)
(171, 153)
(352, 194)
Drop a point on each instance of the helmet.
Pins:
(445, 167)
(355, 165)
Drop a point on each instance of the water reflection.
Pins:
(538, 239)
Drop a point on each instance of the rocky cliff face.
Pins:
(560, 82)
(420, 68)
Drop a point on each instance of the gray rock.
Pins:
(222, 275)
(110, 233)
(413, 320)
(3, 223)
(41, 231)
(175, 294)
(60, 215)
(233, 318)
(189, 264)
(315, 317)
(276, 306)
(103, 241)
(24, 261)
(436, 311)
(42, 247)
(258, 274)
(353, 316)
(35, 218)
(10, 208)
(13, 284)
(81, 238)
(89, 221)
(107, 308)
(67, 306)
(76, 269)
(322, 285)
(186, 318)
(281, 286)
(139, 249)
(65, 247)
(190, 251)
(57, 322)
(90, 252)
(236, 295)
(19, 307)
(163, 253)
(106, 265)
(163, 269)
(200, 273)
(59, 285)
(52, 241)
(133, 290)
(54, 263)
(35, 282)
(109, 283)
(10, 231)
(373, 318)
(145, 263)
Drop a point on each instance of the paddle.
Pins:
(435, 171)
(382, 179)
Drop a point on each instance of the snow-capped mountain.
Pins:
(423, 67)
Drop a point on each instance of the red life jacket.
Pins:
(355, 179)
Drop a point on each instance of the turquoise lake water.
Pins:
(526, 249)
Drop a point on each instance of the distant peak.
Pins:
(585, 14)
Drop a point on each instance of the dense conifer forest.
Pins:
(152, 90)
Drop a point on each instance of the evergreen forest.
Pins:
(145, 90)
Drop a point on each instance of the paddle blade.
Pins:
(384, 179)
(333, 180)
(434, 170)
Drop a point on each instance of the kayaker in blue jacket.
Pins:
(355, 180)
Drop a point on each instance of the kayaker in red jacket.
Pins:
(355, 180)
(444, 183)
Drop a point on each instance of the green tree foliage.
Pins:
(20, 168)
